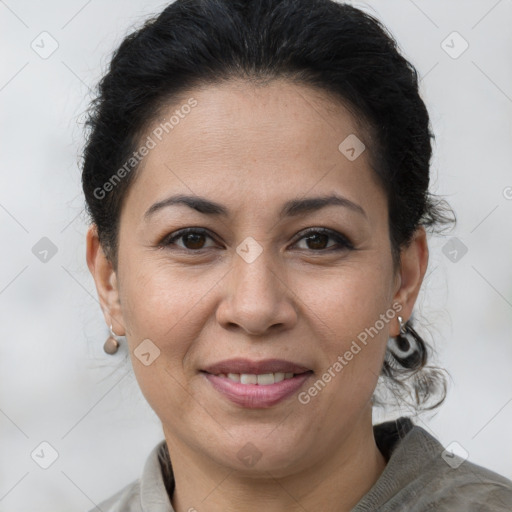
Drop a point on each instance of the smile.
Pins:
(257, 391)
(263, 379)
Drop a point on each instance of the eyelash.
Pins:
(340, 239)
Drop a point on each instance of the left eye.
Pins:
(320, 236)
(193, 239)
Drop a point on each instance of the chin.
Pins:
(252, 454)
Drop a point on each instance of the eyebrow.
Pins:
(292, 208)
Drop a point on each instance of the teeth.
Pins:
(247, 378)
(279, 376)
(263, 379)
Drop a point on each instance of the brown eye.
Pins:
(192, 239)
(318, 239)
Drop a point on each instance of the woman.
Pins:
(257, 176)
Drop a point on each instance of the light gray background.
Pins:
(58, 386)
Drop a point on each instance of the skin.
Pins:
(252, 149)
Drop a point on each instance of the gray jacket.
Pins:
(420, 476)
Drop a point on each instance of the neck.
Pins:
(334, 484)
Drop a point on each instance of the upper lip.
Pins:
(240, 365)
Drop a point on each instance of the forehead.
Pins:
(236, 116)
(263, 143)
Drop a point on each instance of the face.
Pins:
(264, 274)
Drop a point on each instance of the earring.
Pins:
(411, 352)
(401, 340)
(111, 344)
(407, 349)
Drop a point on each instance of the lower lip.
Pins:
(254, 396)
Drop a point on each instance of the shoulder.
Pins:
(467, 487)
(421, 476)
(145, 494)
(125, 500)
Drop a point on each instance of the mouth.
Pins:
(262, 379)
(256, 384)
(241, 366)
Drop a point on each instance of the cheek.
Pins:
(165, 306)
(169, 306)
(160, 300)
(350, 298)
(351, 314)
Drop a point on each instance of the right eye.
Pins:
(193, 239)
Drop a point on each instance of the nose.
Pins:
(256, 297)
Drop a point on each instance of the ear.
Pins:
(413, 265)
(105, 279)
